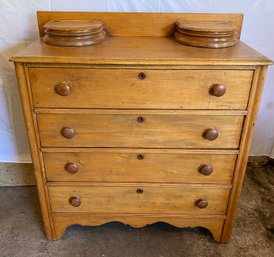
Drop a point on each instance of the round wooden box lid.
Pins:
(207, 26)
(74, 25)
(206, 34)
(74, 32)
(71, 33)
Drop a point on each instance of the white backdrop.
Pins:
(18, 28)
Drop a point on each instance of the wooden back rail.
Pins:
(136, 24)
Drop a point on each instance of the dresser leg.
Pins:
(216, 232)
(59, 230)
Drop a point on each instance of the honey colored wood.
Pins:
(63, 220)
(77, 41)
(73, 32)
(248, 130)
(205, 34)
(137, 185)
(70, 26)
(33, 138)
(124, 130)
(56, 32)
(159, 89)
(205, 42)
(166, 51)
(155, 94)
(132, 150)
(125, 166)
(207, 26)
(141, 66)
(139, 199)
(136, 24)
(144, 111)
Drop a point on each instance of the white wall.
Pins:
(18, 28)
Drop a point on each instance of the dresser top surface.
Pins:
(140, 51)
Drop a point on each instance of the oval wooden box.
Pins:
(74, 32)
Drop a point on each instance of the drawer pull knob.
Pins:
(139, 191)
(217, 90)
(205, 169)
(211, 134)
(63, 88)
(75, 201)
(140, 119)
(140, 157)
(71, 168)
(142, 75)
(68, 132)
(201, 203)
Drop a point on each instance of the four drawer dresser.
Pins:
(139, 129)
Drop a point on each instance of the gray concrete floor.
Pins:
(21, 232)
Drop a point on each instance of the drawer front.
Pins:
(139, 130)
(138, 199)
(129, 88)
(113, 165)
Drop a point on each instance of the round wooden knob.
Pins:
(140, 157)
(205, 169)
(201, 203)
(71, 168)
(140, 119)
(210, 134)
(139, 191)
(217, 90)
(142, 75)
(63, 88)
(68, 132)
(75, 201)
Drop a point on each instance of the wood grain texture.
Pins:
(123, 130)
(135, 184)
(124, 166)
(142, 66)
(123, 51)
(201, 27)
(73, 27)
(161, 89)
(30, 124)
(248, 130)
(126, 199)
(79, 41)
(136, 24)
(135, 110)
(63, 220)
(136, 151)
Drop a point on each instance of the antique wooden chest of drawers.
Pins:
(139, 128)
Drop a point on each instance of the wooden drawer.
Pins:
(140, 165)
(142, 129)
(127, 88)
(134, 198)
